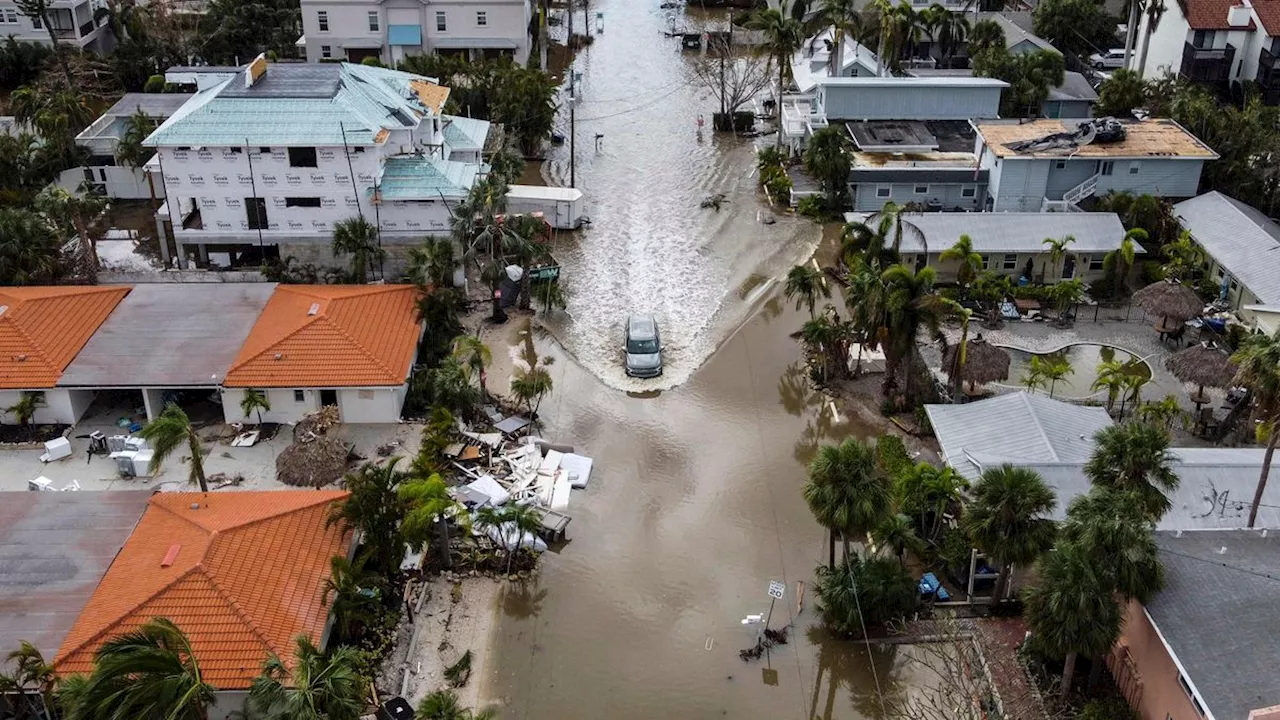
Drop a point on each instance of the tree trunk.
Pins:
(1095, 671)
(444, 539)
(197, 461)
(1068, 670)
(831, 549)
(1131, 34)
(53, 41)
(1146, 43)
(1266, 470)
(1002, 584)
(782, 74)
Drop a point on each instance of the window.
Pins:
(37, 23)
(373, 21)
(1107, 167)
(482, 18)
(921, 190)
(302, 202)
(441, 24)
(969, 191)
(883, 191)
(1059, 164)
(266, 150)
(1202, 39)
(1010, 262)
(255, 210)
(9, 15)
(325, 51)
(302, 157)
(322, 19)
(299, 396)
(364, 394)
(1095, 262)
(357, 149)
(986, 262)
(1186, 688)
(1134, 167)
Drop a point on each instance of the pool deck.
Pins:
(1136, 335)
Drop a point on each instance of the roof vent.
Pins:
(279, 356)
(315, 308)
(172, 555)
(20, 358)
(1222, 550)
(195, 506)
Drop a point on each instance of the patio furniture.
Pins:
(1207, 422)
(1026, 305)
(931, 588)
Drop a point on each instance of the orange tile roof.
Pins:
(248, 578)
(360, 335)
(43, 328)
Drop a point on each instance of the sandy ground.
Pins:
(454, 618)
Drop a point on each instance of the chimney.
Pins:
(1238, 15)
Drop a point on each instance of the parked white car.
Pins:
(1110, 60)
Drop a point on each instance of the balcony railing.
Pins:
(1208, 65)
(1269, 76)
(64, 33)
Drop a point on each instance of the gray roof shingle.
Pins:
(1017, 231)
(1018, 427)
(1241, 238)
(1220, 615)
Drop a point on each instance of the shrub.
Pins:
(1151, 272)
(1107, 709)
(372, 62)
(155, 84)
(874, 591)
(778, 186)
(813, 206)
(892, 456)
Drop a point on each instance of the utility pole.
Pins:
(573, 105)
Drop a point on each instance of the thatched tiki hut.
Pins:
(1205, 365)
(1171, 301)
(983, 362)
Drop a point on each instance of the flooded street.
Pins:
(694, 502)
(650, 248)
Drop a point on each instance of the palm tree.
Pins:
(828, 338)
(1183, 255)
(1111, 526)
(844, 17)
(353, 595)
(1120, 261)
(444, 705)
(925, 492)
(885, 12)
(1057, 248)
(170, 431)
(864, 591)
(373, 506)
(30, 672)
(24, 410)
(783, 36)
(1006, 519)
(358, 238)
(896, 215)
(897, 534)
(1071, 610)
(865, 302)
(432, 263)
(1258, 363)
(148, 672)
(254, 400)
(30, 251)
(74, 214)
(826, 159)
(805, 285)
(511, 523)
(985, 34)
(910, 306)
(1111, 375)
(847, 492)
(314, 686)
(1163, 413)
(530, 386)
(1133, 384)
(969, 259)
(471, 351)
(1134, 457)
(427, 501)
(1055, 368)
(1064, 295)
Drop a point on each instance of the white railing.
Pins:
(1081, 191)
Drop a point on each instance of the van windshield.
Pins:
(642, 347)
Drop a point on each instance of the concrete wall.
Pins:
(1163, 697)
(951, 195)
(381, 406)
(62, 406)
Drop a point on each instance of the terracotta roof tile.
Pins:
(1268, 11)
(363, 335)
(43, 328)
(1212, 14)
(248, 577)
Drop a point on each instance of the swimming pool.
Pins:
(1084, 359)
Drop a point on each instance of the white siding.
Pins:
(1162, 177)
(371, 405)
(61, 406)
(995, 262)
(382, 406)
(284, 407)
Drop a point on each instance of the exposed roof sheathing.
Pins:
(1154, 137)
(246, 578)
(43, 328)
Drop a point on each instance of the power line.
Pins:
(1219, 563)
(875, 675)
(642, 105)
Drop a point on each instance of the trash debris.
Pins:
(316, 463)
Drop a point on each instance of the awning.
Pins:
(358, 44)
(301, 41)
(404, 35)
(477, 43)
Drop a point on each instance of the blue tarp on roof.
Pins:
(404, 35)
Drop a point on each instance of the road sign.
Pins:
(550, 272)
(776, 589)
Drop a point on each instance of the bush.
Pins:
(813, 206)
(155, 84)
(883, 589)
(1107, 709)
(892, 456)
(372, 62)
(1151, 272)
(777, 184)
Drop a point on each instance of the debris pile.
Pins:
(314, 459)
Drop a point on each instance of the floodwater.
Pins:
(1084, 359)
(650, 248)
(694, 502)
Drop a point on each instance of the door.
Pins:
(328, 397)
(1068, 267)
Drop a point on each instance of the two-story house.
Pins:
(1054, 165)
(390, 30)
(73, 24)
(273, 156)
(1217, 42)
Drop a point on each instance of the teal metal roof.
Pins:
(305, 105)
(462, 133)
(412, 177)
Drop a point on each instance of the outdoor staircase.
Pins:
(1071, 198)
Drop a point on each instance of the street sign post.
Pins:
(550, 272)
(776, 591)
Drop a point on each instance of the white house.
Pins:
(1217, 42)
(73, 24)
(391, 30)
(1055, 164)
(352, 346)
(275, 155)
(103, 136)
(1242, 252)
